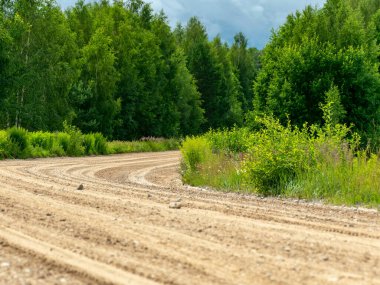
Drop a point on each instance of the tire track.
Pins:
(121, 225)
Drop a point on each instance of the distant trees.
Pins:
(149, 91)
(118, 68)
(40, 50)
(246, 64)
(97, 107)
(216, 76)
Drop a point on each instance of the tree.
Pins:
(228, 89)
(97, 107)
(314, 50)
(188, 99)
(246, 64)
(213, 76)
(41, 52)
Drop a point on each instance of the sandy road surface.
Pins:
(120, 229)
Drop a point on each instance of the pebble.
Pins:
(5, 264)
(80, 187)
(325, 258)
(175, 205)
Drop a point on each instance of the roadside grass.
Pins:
(20, 143)
(313, 163)
(146, 145)
(355, 182)
(218, 171)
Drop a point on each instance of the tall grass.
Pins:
(315, 163)
(146, 145)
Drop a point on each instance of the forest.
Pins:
(119, 69)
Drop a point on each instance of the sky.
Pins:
(255, 18)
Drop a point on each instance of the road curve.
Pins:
(120, 230)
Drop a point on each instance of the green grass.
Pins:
(355, 182)
(313, 163)
(218, 172)
(150, 145)
(19, 143)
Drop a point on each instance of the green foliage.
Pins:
(100, 144)
(218, 171)
(246, 64)
(318, 52)
(349, 180)
(40, 66)
(333, 111)
(275, 154)
(5, 145)
(231, 141)
(213, 71)
(98, 107)
(19, 141)
(195, 150)
(149, 145)
(117, 68)
(75, 146)
(311, 162)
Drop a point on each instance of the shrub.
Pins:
(5, 145)
(62, 141)
(75, 146)
(101, 146)
(275, 155)
(195, 150)
(229, 141)
(43, 140)
(89, 144)
(19, 141)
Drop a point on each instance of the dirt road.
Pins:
(120, 230)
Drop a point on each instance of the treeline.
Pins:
(117, 68)
(325, 55)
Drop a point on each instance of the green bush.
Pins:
(62, 141)
(195, 150)
(275, 155)
(18, 138)
(229, 141)
(89, 144)
(43, 140)
(76, 143)
(101, 146)
(5, 145)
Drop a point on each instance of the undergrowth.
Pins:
(20, 143)
(312, 162)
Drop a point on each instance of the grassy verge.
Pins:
(19, 143)
(147, 145)
(314, 163)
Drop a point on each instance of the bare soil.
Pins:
(120, 229)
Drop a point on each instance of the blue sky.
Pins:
(255, 18)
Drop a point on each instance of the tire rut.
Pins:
(120, 227)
